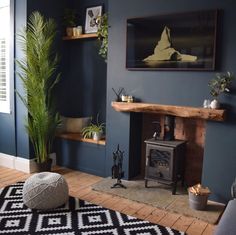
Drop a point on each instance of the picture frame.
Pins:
(181, 41)
(92, 13)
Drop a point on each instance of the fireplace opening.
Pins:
(189, 130)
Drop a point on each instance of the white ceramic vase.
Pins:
(215, 104)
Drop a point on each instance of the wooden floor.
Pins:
(80, 186)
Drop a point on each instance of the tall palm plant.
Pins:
(38, 72)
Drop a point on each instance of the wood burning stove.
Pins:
(165, 162)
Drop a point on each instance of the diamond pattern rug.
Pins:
(75, 217)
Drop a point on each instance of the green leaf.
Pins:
(221, 83)
(103, 35)
(38, 73)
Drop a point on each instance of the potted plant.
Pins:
(219, 85)
(93, 130)
(103, 35)
(37, 70)
(70, 22)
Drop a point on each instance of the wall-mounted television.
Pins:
(182, 41)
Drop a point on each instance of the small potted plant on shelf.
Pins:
(70, 22)
(93, 130)
(219, 85)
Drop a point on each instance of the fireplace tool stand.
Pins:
(117, 172)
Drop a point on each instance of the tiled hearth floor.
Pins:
(80, 186)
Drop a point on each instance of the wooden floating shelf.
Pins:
(79, 137)
(82, 36)
(178, 111)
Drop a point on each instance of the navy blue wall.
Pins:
(174, 88)
(81, 93)
(22, 139)
(86, 157)
(82, 90)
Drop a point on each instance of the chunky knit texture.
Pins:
(45, 190)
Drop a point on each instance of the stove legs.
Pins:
(174, 186)
(146, 183)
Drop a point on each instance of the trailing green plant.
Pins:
(92, 128)
(221, 83)
(69, 17)
(38, 73)
(103, 35)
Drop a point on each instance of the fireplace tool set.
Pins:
(116, 170)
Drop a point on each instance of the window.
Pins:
(4, 56)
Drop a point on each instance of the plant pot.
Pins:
(197, 202)
(97, 136)
(44, 166)
(70, 31)
(215, 104)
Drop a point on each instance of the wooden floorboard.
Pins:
(183, 223)
(80, 186)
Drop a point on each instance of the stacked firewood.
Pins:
(198, 189)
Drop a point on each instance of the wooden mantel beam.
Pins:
(178, 111)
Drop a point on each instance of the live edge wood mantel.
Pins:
(178, 111)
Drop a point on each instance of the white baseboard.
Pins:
(7, 160)
(21, 164)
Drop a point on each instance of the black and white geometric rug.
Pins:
(76, 217)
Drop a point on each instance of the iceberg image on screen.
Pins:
(164, 51)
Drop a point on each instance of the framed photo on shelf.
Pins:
(92, 13)
(182, 41)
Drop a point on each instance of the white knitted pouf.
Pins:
(45, 190)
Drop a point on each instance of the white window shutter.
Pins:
(4, 57)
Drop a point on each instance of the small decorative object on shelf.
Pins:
(78, 31)
(124, 98)
(93, 130)
(116, 170)
(130, 99)
(215, 104)
(206, 103)
(127, 98)
(219, 85)
(118, 93)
